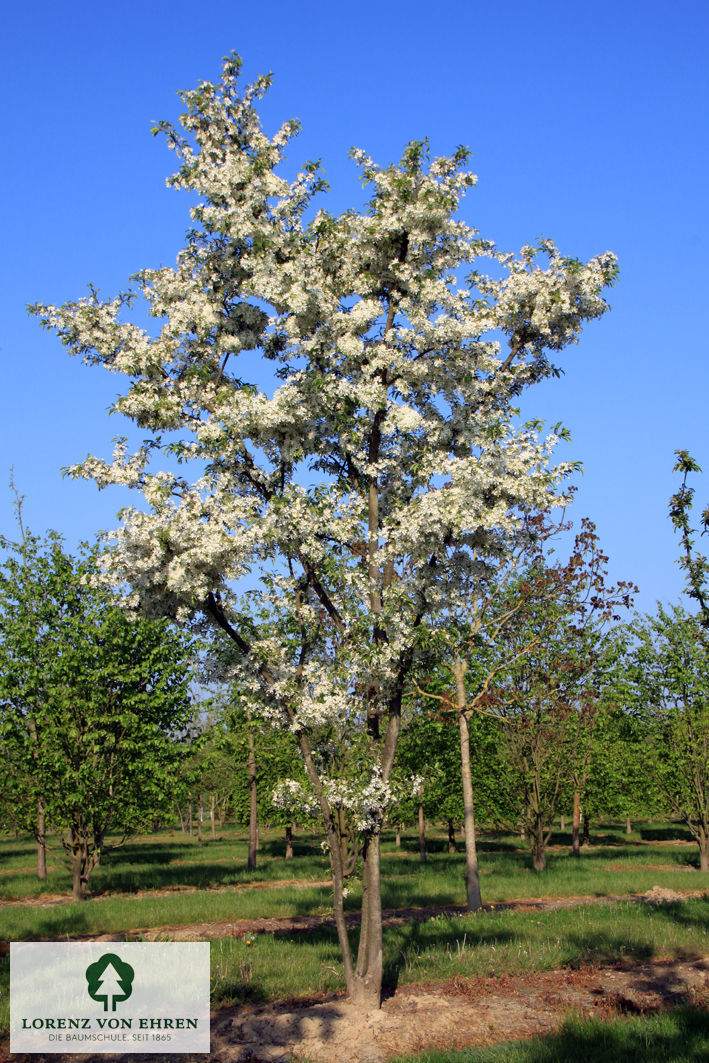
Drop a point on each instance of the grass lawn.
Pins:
(269, 966)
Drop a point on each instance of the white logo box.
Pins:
(110, 997)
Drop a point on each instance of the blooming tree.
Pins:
(356, 486)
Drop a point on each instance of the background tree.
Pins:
(427, 772)
(668, 668)
(694, 563)
(392, 379)
(620, 784)
(545, 691)
(93, 706)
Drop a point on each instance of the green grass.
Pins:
(677, 1036)
(165, 861)
(432, 885)
(486, 944)
(512, 942)
(175, 861)
(123, 914)
(274, 967)
(282, 966)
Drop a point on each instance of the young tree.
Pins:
(544, 684)
(92, 704)
(695, 564)
(356, 484)
(520, 612)
(668, 670)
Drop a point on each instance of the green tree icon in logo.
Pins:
(110, 979)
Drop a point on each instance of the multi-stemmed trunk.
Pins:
(83, 858)
(538, 840)
(363, 975)
(366, 987)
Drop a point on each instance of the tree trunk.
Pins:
(79, 867)
(199, 821)
(289, 841)
(472, 876)
(703, 841)
(98, 846)
(422, 835)
(253, 804)
(575, 847)
(41, 843)
(539, 859)
(189, 816)
(212, 823)
(366, 986)
(78, 886)
(398, 835)
(536, 837)
(586, 838)
(628, 825)
(451, 837)
(562, 822)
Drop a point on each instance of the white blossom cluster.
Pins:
(366, 801)
(291, 796)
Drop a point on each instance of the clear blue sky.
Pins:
(588, 124)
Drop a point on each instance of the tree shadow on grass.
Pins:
(24, 851)
(677, 1036)
(61, 922)
(413, 939)
(134, 854)
(119, 875)
(275, 848)
(603, 947)
(692, 914)
(671, 833)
